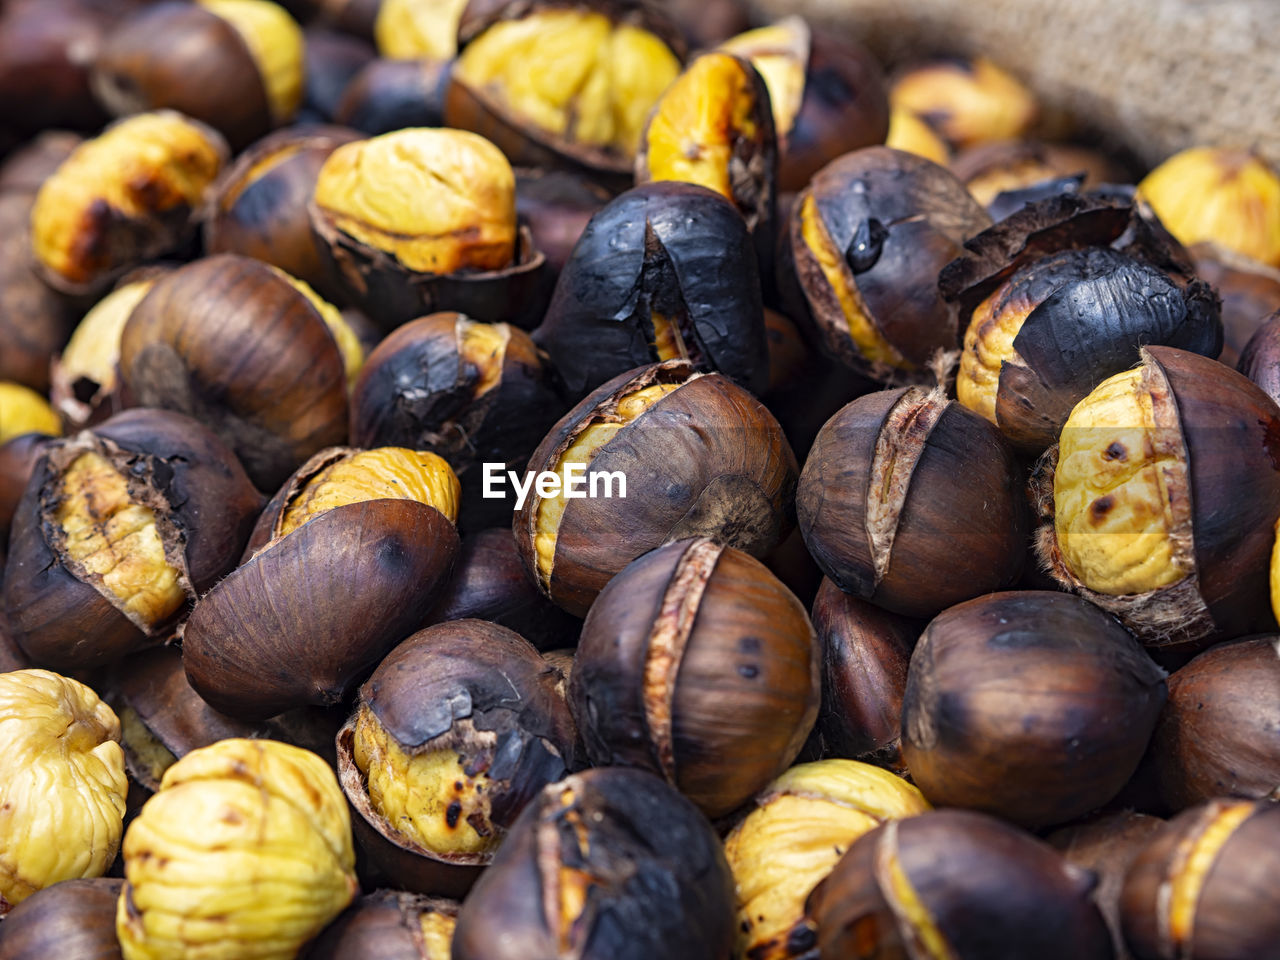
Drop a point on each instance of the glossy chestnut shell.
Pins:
(72, 920)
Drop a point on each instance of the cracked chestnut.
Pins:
(389, 925)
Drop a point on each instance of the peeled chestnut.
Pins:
(608, 864)
(1204, 888)
(72, 920)
(332, 60)
(1159, 500)
(911, 501)
(956, 884)
(390, 95)
(967, 101)
(604, 65)
(1033, 706)
(1249, 292)
(478, 394)
(828, 95)
(123, 197)
(258, 206)
(694, 455)
(995, 167)
(244, 347)
(389, 925)
(697, 664)
(119, 530)
(865, 654)
(557, 205)
(458, 728)
(802, 824)
(868, 237)
(454, 244)
(1219, 734)
(666, 271)
(414, 29)
(236, 65)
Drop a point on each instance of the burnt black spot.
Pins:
(452, 814)
(1101, 507)
(1117, 451)
(457, 785)
(800, 939)
(392, 556)
(750, 644)
(748, 670)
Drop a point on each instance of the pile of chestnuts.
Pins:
(617, 480)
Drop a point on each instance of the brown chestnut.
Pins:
(345, 562)
(956, 884)
(389, 95)
(1260, 359)
(247, 349)
(389, 925)
(355, 17)
(456, 730)
(995, 167)
(609, 864)
(705, 23)
(1219, 734)
(17, 460)
(24, 170)
(1250, 293)
(1204, 888)
(881, 509)
(120, 528)
(694, 454)
(557, 205)
(697, 664)
(1033, 706)
(332, 60)
(72, 920)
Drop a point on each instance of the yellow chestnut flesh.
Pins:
(348, 343)
(22, 410)
(437, 934)
(926, 938)
(805, 821)
(144, 165)
(94, 347)
(384, 473)
(695, 126)
(907, 132)
(572, 73)
(988, 345)
(968, 103)
(276, 44)
(1114, 519)
(1223, 196)
(484, 345)
(144, 749)
(1197, 857)
(439, 201)
(780, 53)
(116, 541)
(418, 29)
(62, 783)
(427, 797)
(862, 328)
(583, 450)
(1275, 574)
(244, 852)
(668, 341)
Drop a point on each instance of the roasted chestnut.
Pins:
(1159, 500)
(1219, 734)
(332, 61)
(603, 64)
(123, 197)
(1222, 195)
(557, 205)
(695, 456)
(1249, 292)
(697, 664)
(956, 884)
(23, 411)
(967, 101)
(865, 654)
(456, 246)
(458, 728)
(666, 271)
(236, 65)
(119, 529)
(390, 95)
(389, 925)
(868, 237)
(481, 395)
(417, 29)
(72, 920)
(1203, 888)
(992, 168)
(883, 515)
(608, 864)
(345, 562)
(17, 459)
(704, 23)
(1260, 361)
(909, 133)
(11, 656)
(1034, 706)
(355, 17)
(828, 95)
(244, 347)
(258, 207)
(802, 824)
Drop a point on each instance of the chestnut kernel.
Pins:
(967, 101)
(907, 132)
(23, 411)
(990, 169)
(418, 29)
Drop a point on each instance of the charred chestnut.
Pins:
(557, 205)
(242, 346)
(1033, 706)
(72, 920)
(236, 65)
(389, 925)
(390, 95)
(1159, 500)
(475, 393)
(880, 509)
(868, 237)
(697, 664)
(666, 271)
(967, 101)
(608, 864)
(698, 456)
(119, 529)
(957, 884)
(258, 207)
(1199, 891)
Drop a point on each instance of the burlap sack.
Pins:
(1156, 75)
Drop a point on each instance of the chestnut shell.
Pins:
(383, 925)
(389, 95)
(72, 920)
